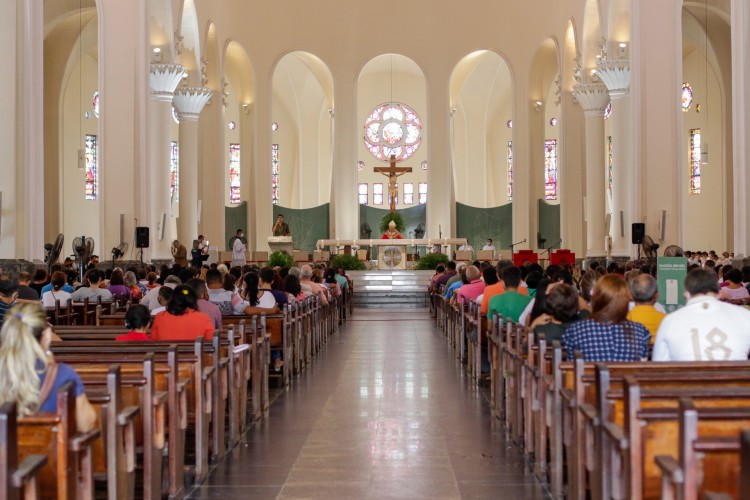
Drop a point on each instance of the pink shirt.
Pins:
(470, 291)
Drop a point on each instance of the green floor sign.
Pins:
(671, 272)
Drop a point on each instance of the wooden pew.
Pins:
(203, 384)
(650, 427)
(170, 375)
(67, 475)
(708, 456)
(137, 386)
(16, 480)
(114, 458)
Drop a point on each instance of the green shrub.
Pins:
(430, 261)
(348, 262)
(395, 217)
(281, 259)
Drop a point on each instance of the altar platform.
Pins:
(390, 288)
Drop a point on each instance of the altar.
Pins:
(392, 253)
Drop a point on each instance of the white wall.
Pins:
(374, 88)
(79, 216)
(705, 225)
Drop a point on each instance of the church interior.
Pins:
(530, 126)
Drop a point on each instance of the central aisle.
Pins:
(383, 412)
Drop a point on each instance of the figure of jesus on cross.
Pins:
(393, 172)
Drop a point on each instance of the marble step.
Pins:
(383, 299)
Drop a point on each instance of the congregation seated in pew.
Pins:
(56, 293)
(92, 288)
(181, 320)
(29, 372)
(137, 321)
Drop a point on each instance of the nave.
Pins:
(383, 412)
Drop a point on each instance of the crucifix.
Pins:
(393, 172)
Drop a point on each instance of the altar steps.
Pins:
(390, 289)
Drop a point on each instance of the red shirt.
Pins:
(189, 326)
(133, 337)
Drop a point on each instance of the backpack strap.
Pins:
(49, 381)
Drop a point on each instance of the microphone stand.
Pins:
(551, 247)
(513, 246)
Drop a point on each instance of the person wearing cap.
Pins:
(392, 233)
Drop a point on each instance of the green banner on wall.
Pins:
(235, 217)
(549, 225)
(307, 225)
(478, 224)
(671, 273)
(369, 220)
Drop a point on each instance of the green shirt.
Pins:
(509, 304)
(341, 281)
(455, 278)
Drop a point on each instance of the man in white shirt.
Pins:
(706, 329)
(489, 245)
(151, 299)
(466, 248)
(238, 250)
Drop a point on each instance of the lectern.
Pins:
(281, 243)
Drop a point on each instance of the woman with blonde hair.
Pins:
(30, 377)
(608, 336)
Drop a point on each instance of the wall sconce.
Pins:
(623, 47)
(245, 108)
(157, 54)
(331, 112)
(538, 106)
(594, 76)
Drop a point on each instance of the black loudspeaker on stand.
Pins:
(638, 232)
(141, 237)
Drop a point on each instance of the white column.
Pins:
(616, 76)
(344, 201)
(593, 98)
(441, 206)
(741, 122)
(164, 79)
(189, 102)
(30, 223)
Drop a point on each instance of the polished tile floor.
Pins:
(384, 412)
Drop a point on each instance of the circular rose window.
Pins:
(393, 129)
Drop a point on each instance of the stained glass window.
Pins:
(687, 97)
(360, 166)
(363, 192)
(234, 174)
(174, 170)
(275, 174)
(377, 193)
(389, 197)
(393, 129)
(550, 169)
(91, 167)
(408, 193)
(424, 165)
(510, 170)
(422, 193)
(695, 161)
(95, 103)
(175, 115)
(609, 163)
(608, 111)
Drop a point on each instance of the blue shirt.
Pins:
(626, 341)
(64, 374)
(455, 286)
(4, 309)
(47, 288)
